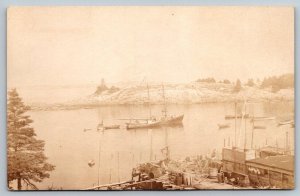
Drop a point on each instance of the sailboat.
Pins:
(169, 120)
(153, 122)
(142, 124)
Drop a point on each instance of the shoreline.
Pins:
(54, 107)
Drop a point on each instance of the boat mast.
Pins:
(99, 157)
(151, 145)
(118, 159)
(235, 119)
(287, 142)
(167, 146)
(253, 127)
(110, 169)
(241, 125)
(165, 105)
(245, 136)
(149, 101)
(252, 134)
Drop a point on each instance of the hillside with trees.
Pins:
(207, 80)
(205, 90)
(277, 83)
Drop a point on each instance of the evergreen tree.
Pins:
(250, 82)
(207, 80)
(238, 86)
(25, 153)
(225, 81)
(278, 82)
(101, 88)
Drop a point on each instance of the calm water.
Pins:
(70, 148)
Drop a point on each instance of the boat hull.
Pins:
(223, 126)
(112, 127)
(168, 121)
(142, 125)
(228, 117)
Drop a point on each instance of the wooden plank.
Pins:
(107, 185)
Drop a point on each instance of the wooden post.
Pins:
(99, 158)
(133, 160)
(276, 145)
(167, 146)
(151, 140)
(269, 178)
(110, 169)
(245, 136)
(287, 142)
(252, 133)
(19, 183)
(149, 101)
(281, 180)
(235, 119)
(118, 167)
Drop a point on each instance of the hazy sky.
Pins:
(81, 45)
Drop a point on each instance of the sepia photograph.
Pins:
(150, 98)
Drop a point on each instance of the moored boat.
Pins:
(262, 118)
(153, 122)
(287, 122)
(227, 117)
(164, 121)
(171, 120)
(224, 126)
(101, 126)
(111, 127)
(143, 125)
(259, 127)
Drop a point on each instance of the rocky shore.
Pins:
(193, 93)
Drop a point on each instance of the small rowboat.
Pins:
(111, 127)
(263, 118)
(228, 117)
(142, 125)
(102, 127)
(259, 127)
(288, 122)
(223, 126)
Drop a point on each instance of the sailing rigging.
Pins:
(153, 122)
